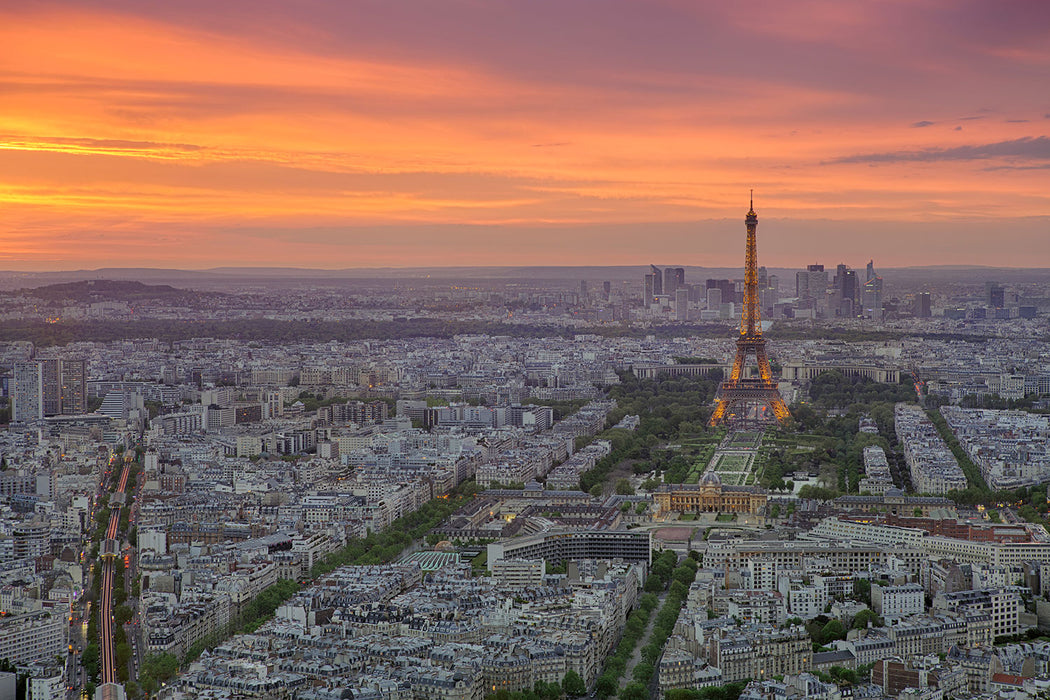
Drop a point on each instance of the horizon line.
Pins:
(234, 268)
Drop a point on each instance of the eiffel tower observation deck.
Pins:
(743, 397)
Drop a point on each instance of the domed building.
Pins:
(710, 496)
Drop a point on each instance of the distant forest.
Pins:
(265, 330)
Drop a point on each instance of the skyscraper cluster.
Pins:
(667, 289)
(843, 296)
(666, 282)
(819, 293)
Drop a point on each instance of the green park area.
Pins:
(732, 463)
(743, 440)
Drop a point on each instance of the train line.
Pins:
(110, 552)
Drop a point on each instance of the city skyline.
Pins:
(196, 136)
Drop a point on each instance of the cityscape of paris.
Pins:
(525, 350)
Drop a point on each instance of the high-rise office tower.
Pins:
(714, 298)
(802, 285)
(847, 304)
(658, 280)
(51, 385)
(840, 270)
(995, 295)
(27, 395)
(811, 285)
(74, 387)
(923, 307)
(845, 291)
(681, 303)
(727, 288)
(670, 282)
(870, 272)
(674, 278)
(872, 295)
(583, 291)
(63, 386)
(768, 298)
(850, 288)
(606, 289)
(648, 289)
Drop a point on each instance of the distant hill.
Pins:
(105, 290)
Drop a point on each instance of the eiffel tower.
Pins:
(742, 398)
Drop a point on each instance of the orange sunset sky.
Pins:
(357, 133)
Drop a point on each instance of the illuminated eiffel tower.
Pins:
(742, 398)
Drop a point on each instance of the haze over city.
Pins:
(332, 135)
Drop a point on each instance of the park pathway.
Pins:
(636, 656)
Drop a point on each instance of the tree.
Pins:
(573, 684)
(624, 488)
(730, 691)
(684, 574)
(157, 669)
(606, 685)
(864, 617)
(89, 659)
(547, 691)
(122, 652)
(832, 631)
(634, 691)
(651, 484)
(862, 590)
(122, 614)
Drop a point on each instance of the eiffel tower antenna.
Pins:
(742, 398)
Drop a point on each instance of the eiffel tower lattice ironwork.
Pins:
(742, 397)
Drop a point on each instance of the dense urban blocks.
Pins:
(307, 505)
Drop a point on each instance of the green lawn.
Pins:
(744, 440)
(732, 463)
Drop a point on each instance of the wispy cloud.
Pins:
(90, 146)
(1032, 148)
